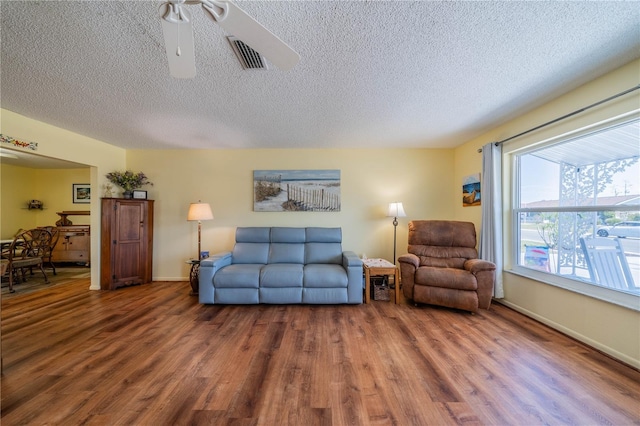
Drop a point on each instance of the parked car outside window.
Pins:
(622, 230)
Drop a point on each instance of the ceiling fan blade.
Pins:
(178, 40)
(238, 23)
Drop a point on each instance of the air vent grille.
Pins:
(249, 58)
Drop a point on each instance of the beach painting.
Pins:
(471, 190)
(296, 190)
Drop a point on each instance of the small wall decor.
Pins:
(296, 190)
(35, 204)
(471, 190)
(108, 190)
(82, 193)
(18, 143)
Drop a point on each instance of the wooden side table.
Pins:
(376, 267)
(194, 276)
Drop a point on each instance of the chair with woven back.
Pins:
(48, 256)
(27, 250)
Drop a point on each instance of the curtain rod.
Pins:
(610, 98)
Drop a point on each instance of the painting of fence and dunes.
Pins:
(296, 190)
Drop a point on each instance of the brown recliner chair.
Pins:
(442, 266)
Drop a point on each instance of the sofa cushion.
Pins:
(251, 253)
(287, 245)
(233, 296)
(288, 235)
(323, 253)
(325, 295)
(253, 235)
(322, 275)
(281, 275)
(286, 253)
(324, 235)
(281, 295)
(243, 275)
(446, 278)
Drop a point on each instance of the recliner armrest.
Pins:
(411, 259)
(478, 265)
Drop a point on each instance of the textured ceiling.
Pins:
(372, 73)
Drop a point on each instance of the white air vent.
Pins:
(249, 58)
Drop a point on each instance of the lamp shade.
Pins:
(199, 211)
(396, 210)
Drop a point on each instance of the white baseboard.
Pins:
(572, 333)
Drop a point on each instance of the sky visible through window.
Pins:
(540, 180)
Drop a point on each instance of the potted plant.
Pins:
(128, 181)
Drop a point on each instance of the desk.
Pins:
(63, 216)
(375, 267)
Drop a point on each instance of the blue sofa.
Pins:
(282, 265)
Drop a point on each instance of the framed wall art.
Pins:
(82, 193)
(471, 190)
(139, 195)
(296, 190)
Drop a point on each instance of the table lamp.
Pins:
(199, 211)
(395, 211)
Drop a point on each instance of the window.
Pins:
(577, 213)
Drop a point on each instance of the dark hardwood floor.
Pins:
(151, 355)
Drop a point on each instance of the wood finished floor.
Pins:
(151, 355)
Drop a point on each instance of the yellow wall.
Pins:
(51, 186)
(55, 142)
(610, 328)
(13, 200)
(55, 188)
(370, 179)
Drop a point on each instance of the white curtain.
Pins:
(491, 232)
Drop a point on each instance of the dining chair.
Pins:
(26, 251)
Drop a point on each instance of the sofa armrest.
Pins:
(208, 268)
(218, 260)
(353, 265)
(350, 258)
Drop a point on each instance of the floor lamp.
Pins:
(395, 211)
(199, 211)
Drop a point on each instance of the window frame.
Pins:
(512, 264)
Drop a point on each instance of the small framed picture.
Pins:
(82, 193)
(139, 195)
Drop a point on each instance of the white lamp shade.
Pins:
(396, 210)
(199, 211)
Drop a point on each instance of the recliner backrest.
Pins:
(442, 243)
(324, 245)
(287, 245)
(252, 245)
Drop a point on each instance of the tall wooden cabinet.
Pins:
(127, 242)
